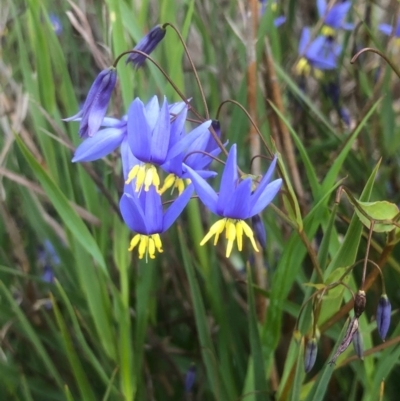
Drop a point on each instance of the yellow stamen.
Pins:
(146, 175)
(174, 181)
(327, 31)
(148, 244)
(303, 67)
(234, 229)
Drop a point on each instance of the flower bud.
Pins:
(358, 344)
(94, 109)
(259, 230)
(383, 316)
(310, 354)
(190, 378)
(359, 303)
(146, 45)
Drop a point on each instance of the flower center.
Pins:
(234, 229)
(147, 245)
(174, 181)
(146, 174)
(327, 31)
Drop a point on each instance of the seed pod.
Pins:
(383, 316)
(358, 344)
(351, 329)
(359, 303)
(310, 354)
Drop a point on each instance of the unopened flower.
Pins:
(144, 214)
(190, 378)
(147, 44)
(348, 338)
(358, 344)
(235, 202)
(94, 109)
(310, 354)
(56, 24)
(383, 315)
(334, 17)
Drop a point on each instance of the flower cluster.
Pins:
(158, 155)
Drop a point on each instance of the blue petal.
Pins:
(176, 108)
(304, 40)
(139, 134)
(321, 6)
(176, 208)
(265, 181)
(152, 112)
(177, 127)
(384, 28)
(266, 197)
(161, 135)
(100, 145)
(337, 14)
(153, 210)
(238, 205)
(132, 213)
(206, 194)
(127, 158)
(229, 180)
(278, 21)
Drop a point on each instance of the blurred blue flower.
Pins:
(143, 213)
(147, 44)
(278, 21)
(154, 139)
(56, 23)
(94, 109)
(334, 18)
(190, 378)
(235, 202)
(320, 54)
(389, 29)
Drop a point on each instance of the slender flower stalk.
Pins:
(94, 109)
(235, 202)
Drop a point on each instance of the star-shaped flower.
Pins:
(334, 17)
(236, 201)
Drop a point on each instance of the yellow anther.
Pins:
(234, 229)
(303, 67)
(174, 181)
(327, 31)
(146, 175)
(148, 244)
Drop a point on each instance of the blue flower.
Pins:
(154, 139)
(94, 109)
(237, 200)
(143, 213)
(147, 44)
(56, 24)
(320, 54)
(388, 29)
(334, 17)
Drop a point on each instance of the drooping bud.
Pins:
(383, 316)
(146, 45)
(358, 344)
(259, 230)
(190, 378)
(359, 303)
(351, 330)
(310, 354)
(94, 109)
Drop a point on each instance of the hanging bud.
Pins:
(383, 316)
(94, 109)
(359, 303)
(146, 45)
(358, 344)
(310, 354)
(190, 378)
(351, 329)
(259, 230)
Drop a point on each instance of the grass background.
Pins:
(123, 329)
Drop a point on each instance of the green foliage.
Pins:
(112, 327)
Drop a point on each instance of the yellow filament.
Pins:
(146, 175)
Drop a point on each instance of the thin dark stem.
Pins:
(366, 255)
(193, 67)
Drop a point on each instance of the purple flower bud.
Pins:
(48, 275)
(190, 378)
(147, 44)
(383, 316)
(358, 344)
(310, 354)
(259, 230)
(94, 109)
